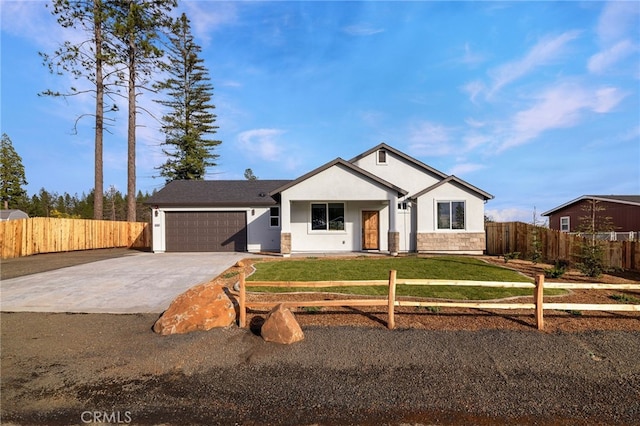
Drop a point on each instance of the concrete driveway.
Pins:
(137, 283)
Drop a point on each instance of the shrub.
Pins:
(510, 256)
(558, 270)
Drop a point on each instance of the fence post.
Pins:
(539, 296)
(391, 323)
(242, 302)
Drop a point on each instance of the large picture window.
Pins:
(451, 215)
(327, 217)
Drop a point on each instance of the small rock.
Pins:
(281, 326)
(202, 307)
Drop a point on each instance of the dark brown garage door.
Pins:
(206, 231)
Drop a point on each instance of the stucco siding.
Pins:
(427, 204)
(398, 172)
(336, 183)
(304, 239)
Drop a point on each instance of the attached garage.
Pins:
(216, 216)
(213, 231)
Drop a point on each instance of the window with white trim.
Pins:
(274, 217)
(327, 217)
(451, 214)
(565, 224)
(381, 158)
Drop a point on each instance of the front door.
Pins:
(370, 230)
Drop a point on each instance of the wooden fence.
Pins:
(390, 301)
(36, 235)
(511, 237)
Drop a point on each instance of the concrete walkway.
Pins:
(137, 283)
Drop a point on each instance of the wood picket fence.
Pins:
(538, 305)
(518, 237)
(37, 235)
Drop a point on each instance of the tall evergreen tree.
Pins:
(190, 119)
(92, 60)
(12, 177)
(138, 26)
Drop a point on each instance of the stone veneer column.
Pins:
(285, 243)
(394, 242)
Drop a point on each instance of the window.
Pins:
(327, 217)
(564, 224)
(274, 216)
(382, 157)
(450, 214)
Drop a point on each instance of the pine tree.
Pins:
(92, 60)
(189, 119)
(12, 177)
(138, 27)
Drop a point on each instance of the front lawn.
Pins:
(368, 268)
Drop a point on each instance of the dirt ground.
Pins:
(451, 366)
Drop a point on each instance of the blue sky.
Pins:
(536, 103)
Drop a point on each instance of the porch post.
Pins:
(285, 226)
(393, 234)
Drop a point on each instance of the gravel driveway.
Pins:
(55, 367)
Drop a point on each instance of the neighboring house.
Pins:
(12, 215)
(382, 200)
(623, 210)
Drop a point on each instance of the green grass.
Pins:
(446, 267)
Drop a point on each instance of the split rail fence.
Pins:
(25, 237)
(391, 302)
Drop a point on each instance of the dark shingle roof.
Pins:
(217, 193)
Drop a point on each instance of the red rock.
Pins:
(281, 326)
(202, 307)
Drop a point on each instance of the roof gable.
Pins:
(400, 154)
(339, 162)
(222, 193)
(455, 180)
(633, 200)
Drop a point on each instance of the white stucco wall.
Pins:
(304, 239)
(398, 172)
(427, 204)
(337, 183)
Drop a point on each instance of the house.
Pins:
(623, 211)
(12, 214)
(382, 201)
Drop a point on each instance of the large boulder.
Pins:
(202, 307)
(281, 326)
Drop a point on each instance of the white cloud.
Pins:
(466, 168)
(205, 19)
(427, 138)
(510, 215)
(362, 30)
(474, 89)
(263, 143)
(544, 52)
(470, 57)
(607, 58)
(619, 19)
(560, 106)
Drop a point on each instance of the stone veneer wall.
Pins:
(452, 242)
(285, 243)
(394, 242)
